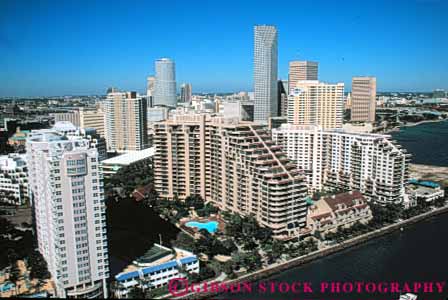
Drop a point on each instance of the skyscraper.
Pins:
(66, 190)
(283, 98)
(126, 122)
(302, 70)
(265, 73)
(165, 83)
(185, 93)
(363, 99)
(150, 83)
(316, 103)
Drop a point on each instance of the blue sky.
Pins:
(83, 47)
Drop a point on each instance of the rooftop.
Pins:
(155, 253)
(130, 157)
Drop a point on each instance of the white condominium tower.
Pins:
(363, 99)
(265, 73)
(66, 190)
(301, 70)
(370, 163)
(233, 164)
(316, 103)
(165, 83)
(126, 122)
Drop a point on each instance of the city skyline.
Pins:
(73, 59)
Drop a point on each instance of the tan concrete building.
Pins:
(302, 70)
(363, 99)
(233, 164)
(92, 118)
(126, 122)
(340, 210)
(316, 103)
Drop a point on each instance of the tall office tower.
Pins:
(165, 83)
(363, 99)
(265, 73)
(185, 93)
(66, 190)
(234, 165)
(126, 122)
(370, 163)
(316, 103)
(302, 70)
(283, 98)
(150, 83)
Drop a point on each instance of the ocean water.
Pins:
(428, 143)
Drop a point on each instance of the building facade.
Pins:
(185, 93)
(302, 70)
(363, 99)
(92, 118)
(370, 163)
(340, 210)
(126, 122)
(265, 73)
(283, 92)
(316, 103)
(66, 190)
(13, 179)
(155, 269)
(165, 83)
(233, 164)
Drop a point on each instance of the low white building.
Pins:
(13, 179)
(427, 191)
(155, 269)
(111, 166)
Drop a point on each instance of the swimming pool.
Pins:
(210, 226)
(7, 286)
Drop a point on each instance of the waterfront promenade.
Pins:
(276, 268)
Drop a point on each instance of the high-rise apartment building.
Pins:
(363, 99)
(265, 73)
(302, 70)
(66, 190)
(165, 83)
(316, 103)
(126, 122)
(185, 93)
(235, 165)
(370, 163)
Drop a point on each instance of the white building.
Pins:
(155, 269)
(13, 179)
(165, 83)
(316, 103)
(265, 73)
(66, 189)
(370, 163)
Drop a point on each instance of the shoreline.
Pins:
(301, 260)
(397, 128)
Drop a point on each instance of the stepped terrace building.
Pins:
(369, 163)
(233, 164)
(13, 179)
